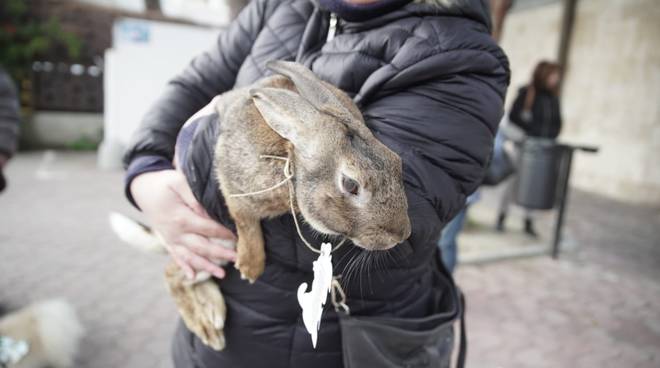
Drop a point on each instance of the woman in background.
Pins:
(536, 109)
(537, 113)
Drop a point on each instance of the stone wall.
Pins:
(611, 96)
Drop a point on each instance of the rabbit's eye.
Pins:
(349, 185)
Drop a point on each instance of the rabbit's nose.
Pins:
(400, 230)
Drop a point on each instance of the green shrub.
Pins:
(24, 39)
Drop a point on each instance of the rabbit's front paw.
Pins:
(250, 253)
(250, 267)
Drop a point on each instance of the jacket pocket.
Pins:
(393, 342)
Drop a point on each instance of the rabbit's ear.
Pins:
(311, 88)
(285, 112)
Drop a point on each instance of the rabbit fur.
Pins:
(52, 330)
(345, 181)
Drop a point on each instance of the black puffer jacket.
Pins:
(544, 119)
(9, 115)
(430, 82)
(9, 121)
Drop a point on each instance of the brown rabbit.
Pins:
(346, 182)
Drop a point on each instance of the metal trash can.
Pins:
(538, 174)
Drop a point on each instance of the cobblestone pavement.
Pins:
(598, 306)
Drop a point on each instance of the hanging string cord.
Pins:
(295, 220)
(338, 296)
(288, 176)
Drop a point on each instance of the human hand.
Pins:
(190, 235)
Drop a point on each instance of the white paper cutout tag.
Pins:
(312, 302)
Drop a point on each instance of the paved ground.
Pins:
(598, 306)
(55, 241)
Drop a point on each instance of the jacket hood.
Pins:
(478, 10)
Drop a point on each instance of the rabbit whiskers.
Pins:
(287, 180)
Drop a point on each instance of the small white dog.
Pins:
(44, 334)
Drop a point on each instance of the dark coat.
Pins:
(430, 82)
(9, 120)
(9, 115)
(544, 119)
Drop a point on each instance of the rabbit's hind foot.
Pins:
(200, 305)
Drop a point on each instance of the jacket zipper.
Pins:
(332, 28)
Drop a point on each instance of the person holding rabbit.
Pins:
(429, 82)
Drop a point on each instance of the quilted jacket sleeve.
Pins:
(209, 74)
(442, 124)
